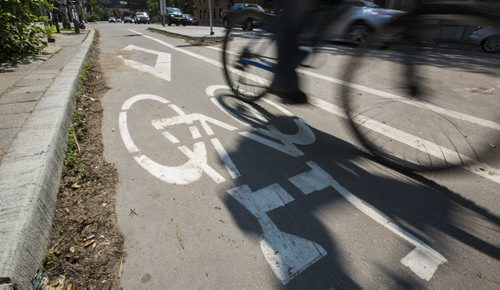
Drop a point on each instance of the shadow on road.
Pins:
(442, 219)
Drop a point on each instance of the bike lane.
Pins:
(209, 201)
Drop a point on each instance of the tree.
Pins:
(186, 6)
(22, 31)
(153, 7)
(96, 10)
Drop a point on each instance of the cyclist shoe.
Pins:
(289, 97)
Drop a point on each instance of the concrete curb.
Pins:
(30, 173)
(178, 35)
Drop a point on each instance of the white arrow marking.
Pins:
(162, 68)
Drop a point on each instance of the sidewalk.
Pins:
(194, 32)
(36, 102)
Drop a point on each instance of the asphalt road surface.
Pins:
(229, 196)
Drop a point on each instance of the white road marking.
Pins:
(170, 137)
(127, 139)
(423, 260)
(457, 115)
(288, 142)
(195, 133)
(482, 169)
(437, 109)
(228, 163)
(162, 68)
(162, 124)
(286, 254)
(196, 165)
(199, 159)
(178, 110)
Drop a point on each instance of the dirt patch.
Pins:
(86, 246)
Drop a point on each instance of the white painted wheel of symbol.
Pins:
(196, 165)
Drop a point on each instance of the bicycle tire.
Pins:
(410, 145)
(248, 82)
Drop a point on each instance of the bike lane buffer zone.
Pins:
(287, 255)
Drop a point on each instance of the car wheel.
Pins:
(177, 24)
(226, 24)
(358, 33)
(491, 44)
(169, 23)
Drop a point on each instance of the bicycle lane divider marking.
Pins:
(482, 169)
(423, 260)
(454, 114)
(196, 165)
(162, 68)
(437, 109)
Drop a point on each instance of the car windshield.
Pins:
(370, 4)
(174, 10)
(362, 3)
(188, 15)
(141, 14)
(255, 7)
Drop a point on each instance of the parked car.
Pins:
(118, 20)
(190, 19)
(128, 19)
(141, 17)
(247, 24)
(487, 37)
(112, 20)
(362, 18)
(175, 16)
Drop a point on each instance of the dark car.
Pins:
(141, 17)
(175, 16)
(128, 19)
(190, 19)
(246, 24)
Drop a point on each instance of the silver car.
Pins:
(362, 18)
(487, 37)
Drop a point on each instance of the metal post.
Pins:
(163, 6)
(210, 13)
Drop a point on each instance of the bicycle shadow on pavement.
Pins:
(358, 251)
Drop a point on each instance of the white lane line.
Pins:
(481, 169)
(437, 109)
(450, 113)
(423, 260)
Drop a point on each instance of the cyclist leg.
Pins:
(286, 81)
